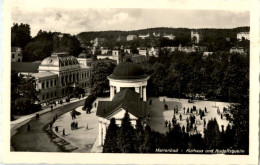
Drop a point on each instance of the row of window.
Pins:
(73, 78)
(49, 95)
(49, 84)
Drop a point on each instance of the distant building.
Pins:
(142, 51)
(16, 54)
(169, 36)
(127, 50)
(206, 54)
(116, 51)
(131, 37)
(137, 58)
(97, 41)
(153, 52)
(195, 37)
(239, 50)
(105, 50)
(156, 34)
(143, 36)
(243, 36)
(84, 60)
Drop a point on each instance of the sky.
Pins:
(75, 20)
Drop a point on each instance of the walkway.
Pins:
(38, 139)
(85, 140)
(159, 115)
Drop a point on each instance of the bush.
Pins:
(88, 102)
(68, 100)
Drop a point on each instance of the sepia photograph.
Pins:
(134, 80)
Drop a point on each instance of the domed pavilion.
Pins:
(127, 94)
(128, 75)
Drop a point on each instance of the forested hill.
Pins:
(207, 33)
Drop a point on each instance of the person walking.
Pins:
(195, 128)
(184, 110)
(95, 104)
(51, 108)
(87, 127)
(56, 128)
(180, 117)
(169, 125)
(166, 123)
(222, 126)
(63, 132)
(28, 127)
(183, 129)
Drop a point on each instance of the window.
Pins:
(55, 94)
(43, 86)
(47, 84)
(55, 82)
(51, 83)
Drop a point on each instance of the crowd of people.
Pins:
(191, 121)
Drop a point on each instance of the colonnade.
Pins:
(140, 89)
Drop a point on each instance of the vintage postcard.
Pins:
(130, 82)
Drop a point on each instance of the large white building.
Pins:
(127, 94)
(57, 76)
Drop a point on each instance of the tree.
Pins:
(212, 135)
(240, 121)
(110, 145)
(23, 94)
(126, 135)
(20, 35)
(39, 48)
(139, 136)
(98, 79)
(149, 141)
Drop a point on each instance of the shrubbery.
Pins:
(88, 102)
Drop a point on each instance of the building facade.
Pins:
(16, 54)
(243, 36)
(131, 37)
(59, 75)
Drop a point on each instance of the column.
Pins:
(104, 132)
(100, 138)
(111, 92)
(141, 92)
(137, 90)
(144, 93)
(117, 89)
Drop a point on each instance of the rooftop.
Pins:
(28, 67)
(128, 70)
(126, 99)
(43, 74)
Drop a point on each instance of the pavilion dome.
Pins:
(128, 70)
(60, 59)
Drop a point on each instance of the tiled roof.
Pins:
(28, 67)
(126, 99)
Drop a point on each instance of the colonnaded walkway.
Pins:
(159, 115)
